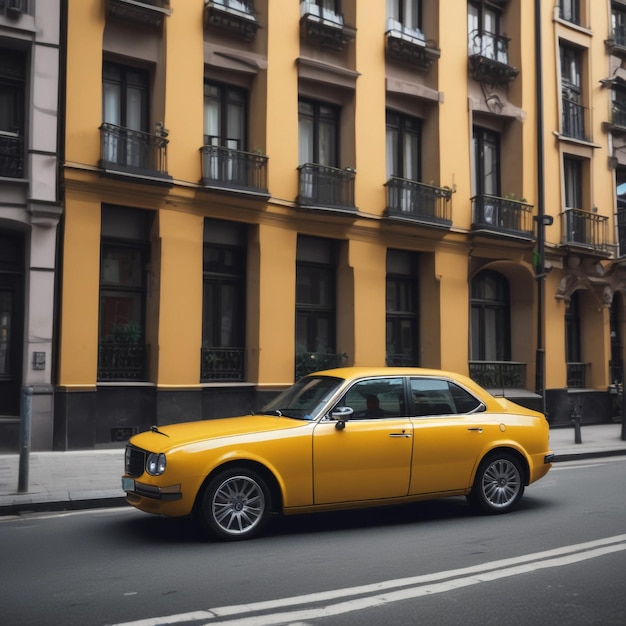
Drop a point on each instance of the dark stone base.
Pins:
(590, 405)
(110, 414)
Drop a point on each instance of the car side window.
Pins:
(434, 396)
(465, 402)
(375, 398)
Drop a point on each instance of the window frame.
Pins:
(125, 80)
(227, 96)
(483, 138)
(404, 127)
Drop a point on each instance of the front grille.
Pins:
(135, 461)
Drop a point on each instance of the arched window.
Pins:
(490, 317)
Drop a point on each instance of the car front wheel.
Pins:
(499, 484)
(235, 505)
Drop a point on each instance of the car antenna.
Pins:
(155, 429)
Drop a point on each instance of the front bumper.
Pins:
(141, 490)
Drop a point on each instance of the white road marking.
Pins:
(393, 590)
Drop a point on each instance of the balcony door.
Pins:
(125, 106)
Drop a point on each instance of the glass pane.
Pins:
(135, 109)
(120, 317)
(305, 140)
(411, 156)
(6, 305)
(121, 266)
(111, 104)
(327, 143)
(392, 153)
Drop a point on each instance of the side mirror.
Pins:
(342, 415)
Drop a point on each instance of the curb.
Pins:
(587, 455)
(17, 508)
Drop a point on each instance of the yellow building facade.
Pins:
(254, 190)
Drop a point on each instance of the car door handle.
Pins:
(403, 435)
(477, 429)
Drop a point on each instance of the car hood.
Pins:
(164, 438)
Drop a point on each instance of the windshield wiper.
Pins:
(275, 412)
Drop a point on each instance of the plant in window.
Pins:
(126, 333)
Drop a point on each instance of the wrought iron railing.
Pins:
(417, 201)
(502, 215)
(489, 45)
(11, 155)
(222, 364)
(121, 361)
(132, 150)
(326, 187)
(618, 114)
(620, 221)
(236, 16)
(574, 119)
(576, 375)
(233, 169)
(307, 362)
(619, 35)
(401, 360)
(585, 229)
(498, 374)
(148, 12)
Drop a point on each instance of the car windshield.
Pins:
(305, 399)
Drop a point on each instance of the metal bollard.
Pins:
(25, 430)
(576, 418)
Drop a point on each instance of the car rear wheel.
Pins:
(499, 484)
(235, 505)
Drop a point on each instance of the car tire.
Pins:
(499, 484)
(235, 505)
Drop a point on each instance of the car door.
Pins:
(371, 457)
(450, 433)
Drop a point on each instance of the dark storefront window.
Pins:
(12, 104)
(224, 302)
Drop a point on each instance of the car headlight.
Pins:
(155, 465)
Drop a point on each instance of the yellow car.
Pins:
(342, 438)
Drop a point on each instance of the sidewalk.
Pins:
(92, 478)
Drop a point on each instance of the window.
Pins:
(433, 396)
(12, 105)
(483, 27)
(125, 111)
(401, 305)
(407, 12)
(486, 162)
(573, 350)
(225, 114)
(572, 170)
(327, 9)
(124, 257)
(569, 10)
(403, 147)
(376, 398)
(315, 300)
(490, 315)
(618, 114)
(571, 93)
(318, 133)
(618, 23)
(620, 176)
(223, 301)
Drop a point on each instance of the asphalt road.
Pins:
(559, 559)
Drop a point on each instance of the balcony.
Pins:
(498, 374)
(222, 364)
(576, 374)
(308, 362)
(235, 16)
(489, 59)
(408, 45)
(583, 231)
(119, 361)
(420, 203)
(133, 153)
(617, 125)
(617, 43)
(234, 170)
(323, 187)
(147, 12)
(574, 119)
(324, 26)
(505, 217)
(11, 155)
